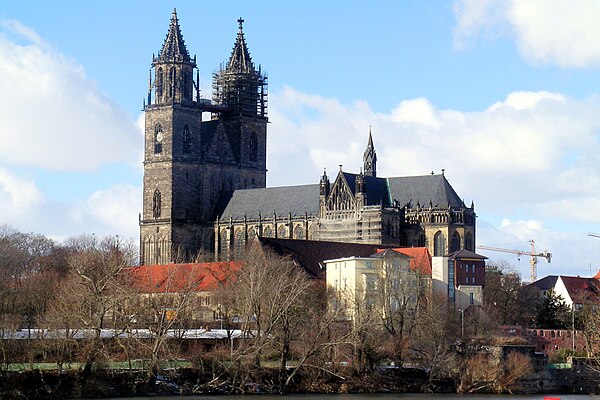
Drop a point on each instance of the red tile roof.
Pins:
(182, 277)
(420, 259)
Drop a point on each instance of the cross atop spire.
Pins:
(174, 48)
(240, 60)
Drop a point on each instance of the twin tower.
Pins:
(190, 163)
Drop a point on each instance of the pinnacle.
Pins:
(174, 48)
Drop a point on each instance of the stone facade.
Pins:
(204, 180)
(189, 163)
(420, 211)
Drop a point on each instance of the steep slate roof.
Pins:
(377, 191)
(310, 254)
(423, 190)
(173, 278)
(240, 60)
(174, 48)
(282, 200)
(546, 283)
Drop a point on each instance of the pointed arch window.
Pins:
(172, 80)
(439, 244)
(187, 140)
(239, 244)
(455, 242)
(469, 242)
(298, 232)
(253, 147)
(281, 232)
(187, 92)
(421, 240)
(159, 83)
(267, 232)
(158, 139)
(156, 204)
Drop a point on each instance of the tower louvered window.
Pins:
(156, 204)
(187, 140)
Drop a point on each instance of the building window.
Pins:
(421, 241)
(281, 232)
(298, 232)
(469, 242)
(172, 77)
(455, 242)
(251, 235)
(156, 204)
(223, 244)
(267, 232)
(253, 147)
(439, 244)
(187, 140)
(471, 298)
(239, 244)
(159, 82)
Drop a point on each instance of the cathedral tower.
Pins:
(191, 166)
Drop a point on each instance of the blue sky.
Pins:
(504, 95)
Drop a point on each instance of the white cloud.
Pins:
(117, 208)
(532, 155)
(18, 196)
(52, 115)
(565, 33)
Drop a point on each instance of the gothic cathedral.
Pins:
(189, 163)
(205, 180)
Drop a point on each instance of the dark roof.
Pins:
(174, 48)
(546, 283)
(310, 254)
(423, 191)
(283, 200)
(464, 253)
(377, 190)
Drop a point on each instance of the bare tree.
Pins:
(92, 292)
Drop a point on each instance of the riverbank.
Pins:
(42, 385)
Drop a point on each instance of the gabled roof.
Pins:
(420, 259)
(546, 283)
(240, 60)
(464, 253)
(426, 190)
(176, 278)
(310, 254)
(377, 190)
(174, 48)
(581, 289)
(283, 200)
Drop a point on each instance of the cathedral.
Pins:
(205, 188)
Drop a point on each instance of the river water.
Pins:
(372, 397)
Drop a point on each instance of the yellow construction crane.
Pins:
(534, 255)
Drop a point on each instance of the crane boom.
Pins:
(533, 254)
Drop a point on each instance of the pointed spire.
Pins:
(174, 48)
(240, 60)
(370, 158)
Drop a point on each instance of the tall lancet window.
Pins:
(159, 83)
(156, 204)
(172, 81)
(253, 147)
